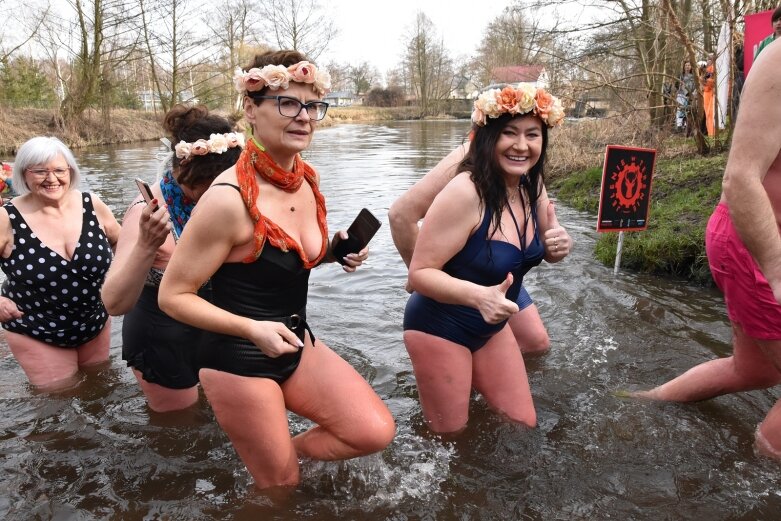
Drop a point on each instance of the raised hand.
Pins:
(153, 226)
(494, 306)
(352, 260)
(558, 243)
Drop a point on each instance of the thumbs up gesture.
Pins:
(557, 241)
(494, 305)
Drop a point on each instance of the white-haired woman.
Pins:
(257, 233)
(55, 249)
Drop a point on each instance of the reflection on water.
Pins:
(96, 451)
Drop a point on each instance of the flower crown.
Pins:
(279, 77)
(216, 144)
(522, 99)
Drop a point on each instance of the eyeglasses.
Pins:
(291, 107)
(43, 173)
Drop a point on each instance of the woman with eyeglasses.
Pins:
(55, 249)
(257, 233)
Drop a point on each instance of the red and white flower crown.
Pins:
(216, 144)
(522, 99)
(279, 77)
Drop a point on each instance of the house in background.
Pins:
(521, 74)
(342, 98)
(150, 100)
(464, 89)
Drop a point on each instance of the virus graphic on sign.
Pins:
(629, 180)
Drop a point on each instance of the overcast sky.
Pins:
(375, 31)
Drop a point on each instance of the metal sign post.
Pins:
(618, 252)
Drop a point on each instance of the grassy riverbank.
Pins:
(19, 125)
(685, 188)
(684, 191)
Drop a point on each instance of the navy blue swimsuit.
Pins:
(482, 261)
(60, 298)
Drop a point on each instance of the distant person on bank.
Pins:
(55, 249)
(775, 22)
(743, 244)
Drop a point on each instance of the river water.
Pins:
(97, 452)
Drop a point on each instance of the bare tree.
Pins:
(95, 40)
(363, 77)
(303, 25)
(234, 33)
(427, 65)
(173, 47)
(340, 75)
(30, 25)
(516, 37)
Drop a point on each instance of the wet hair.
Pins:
(480, 161)
(190, 123)
(284, 57)
(37, 151)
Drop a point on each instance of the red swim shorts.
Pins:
(747, 294)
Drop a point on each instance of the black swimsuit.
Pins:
(160, 348)
(60, 298)
(274, 287)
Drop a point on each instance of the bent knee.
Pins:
(374, 436)
(536, 344)
(535, 347)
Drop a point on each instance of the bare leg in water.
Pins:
(754, 364)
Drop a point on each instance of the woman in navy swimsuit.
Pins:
(55, 249)
(484, 231)
(257, 232)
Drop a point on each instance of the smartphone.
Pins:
(359, 234)
(146, 192)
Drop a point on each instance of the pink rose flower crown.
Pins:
(522, 99)
(277, 77)
(216, 144)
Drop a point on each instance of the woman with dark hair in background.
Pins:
(161, 350)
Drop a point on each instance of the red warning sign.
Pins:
(625, 198)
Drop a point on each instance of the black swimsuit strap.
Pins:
(521, 236)
(228, 184)
(295, 322)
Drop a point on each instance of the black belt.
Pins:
(295, 323)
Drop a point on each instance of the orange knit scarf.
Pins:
(254, 159)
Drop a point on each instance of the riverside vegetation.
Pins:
(684, 191)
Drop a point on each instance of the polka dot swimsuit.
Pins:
(60, 298)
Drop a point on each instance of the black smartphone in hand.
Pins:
(359, 234)
(146, 192)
